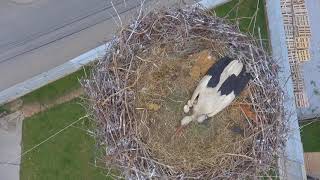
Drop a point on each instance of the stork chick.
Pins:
(217, 89)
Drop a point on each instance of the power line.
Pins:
(64, 36)
(44, 141)
(7, 163)
(52, 29)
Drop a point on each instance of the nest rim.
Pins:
(116, 126)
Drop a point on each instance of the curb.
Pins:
(70, 66)
(56, 73)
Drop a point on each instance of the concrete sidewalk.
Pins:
(10, 148)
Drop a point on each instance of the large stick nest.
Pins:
(137, 92)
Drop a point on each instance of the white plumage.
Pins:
(216, 90)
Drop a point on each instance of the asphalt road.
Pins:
(37, 35)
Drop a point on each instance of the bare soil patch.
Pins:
(30, 109)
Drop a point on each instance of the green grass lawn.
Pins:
(67, 156)
(4, 109)
(246, 9)
(310, 134)
(55, 89)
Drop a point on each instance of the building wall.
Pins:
(291, 164)
(311, 68)
(297, 32)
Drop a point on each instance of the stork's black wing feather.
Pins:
(235, 83)
(216, 70)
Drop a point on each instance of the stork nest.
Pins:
(138, 90)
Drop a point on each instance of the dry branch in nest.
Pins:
(137, 92)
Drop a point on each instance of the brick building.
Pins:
(297, 31)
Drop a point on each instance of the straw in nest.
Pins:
(137, 91)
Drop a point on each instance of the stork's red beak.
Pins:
(179, 130)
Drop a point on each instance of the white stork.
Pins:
(216, 90)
